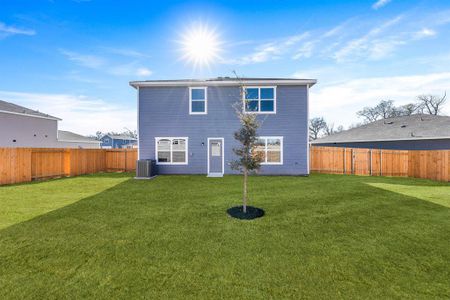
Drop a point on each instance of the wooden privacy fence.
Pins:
(26, 164)
(429, 164)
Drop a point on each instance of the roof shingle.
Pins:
(415, 127)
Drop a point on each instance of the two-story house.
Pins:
(118, 141)
(187, 126)
(24, 127)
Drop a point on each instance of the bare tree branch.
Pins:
(432, 104)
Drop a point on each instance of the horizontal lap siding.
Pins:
(164, 112)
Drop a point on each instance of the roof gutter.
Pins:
(169, 83)
(382, 140)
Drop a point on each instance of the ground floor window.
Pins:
(271, 149)
(171, 150)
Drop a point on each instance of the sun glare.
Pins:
(200, 46)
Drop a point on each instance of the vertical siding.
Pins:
(164, 112)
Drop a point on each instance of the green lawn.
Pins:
(324, 236)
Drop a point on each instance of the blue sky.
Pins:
(74, 59)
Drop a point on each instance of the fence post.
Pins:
(126, 150)
(370, 162)
(381, 162)
(345, 161)
(353, 162)
(67, 162)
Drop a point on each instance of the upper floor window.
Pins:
(260, 100)
(171, 150)
(271, 149)
(198, 101)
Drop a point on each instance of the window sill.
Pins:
(261, 112)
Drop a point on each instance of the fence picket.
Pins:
(430, 164)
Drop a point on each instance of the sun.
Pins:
(200, 46)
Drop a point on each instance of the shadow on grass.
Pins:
(22, 202)
(170, 238)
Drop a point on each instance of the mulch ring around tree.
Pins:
(252, 212)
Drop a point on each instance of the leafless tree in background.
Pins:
(316, 126)
(432, 104)
(330, 130)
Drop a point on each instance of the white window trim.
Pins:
(259, 112)
(206, 100)
(265, 149)
(171, 152)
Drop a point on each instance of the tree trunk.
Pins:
(244, 198)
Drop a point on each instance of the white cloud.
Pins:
(125, 52)
(380, 3)
(270, 51)
(143, 72)
(80, 114)
(339, 102)
(6, 31)
(306, 50)
(375, 44)
(85, 60)
(101, 64)
(129, 69)
(424, 33)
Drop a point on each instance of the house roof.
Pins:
(415, 127)
(121, 137)
(224, 81)
(68, 136)
(11, 108)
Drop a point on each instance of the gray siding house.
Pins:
(415, 132)
(188, 126)
(24, 127)
(117, 141)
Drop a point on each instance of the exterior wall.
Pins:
(442, 144)
(122, 143)
(116, 143)
(106, 142)
(164, 112)
(27, 131)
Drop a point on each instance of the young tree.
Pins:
(432, 104)
(248, 160)
(316, 125)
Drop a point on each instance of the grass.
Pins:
(324, 236)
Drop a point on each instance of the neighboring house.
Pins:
(24, 127)
(188, 126)
(118, 141)
(69, 139)
(416, 132)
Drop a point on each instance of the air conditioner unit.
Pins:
(145, 168)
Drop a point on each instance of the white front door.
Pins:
(215, 157)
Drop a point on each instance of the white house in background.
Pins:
(24, 127)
